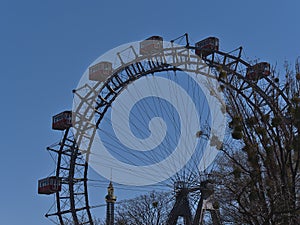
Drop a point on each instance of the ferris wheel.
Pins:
(153, 115)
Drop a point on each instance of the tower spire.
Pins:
(110, 204)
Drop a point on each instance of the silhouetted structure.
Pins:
(110, 204)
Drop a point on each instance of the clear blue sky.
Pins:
(46, 45)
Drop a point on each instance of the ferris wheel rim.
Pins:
(253, 85)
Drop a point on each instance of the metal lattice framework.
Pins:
(72, 203)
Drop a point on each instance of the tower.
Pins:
(110, 204)
(181, 207)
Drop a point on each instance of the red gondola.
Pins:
(100, 71)
(151, 45)
(258, 71)
(62, 120)
(49, 185)
(207, 46)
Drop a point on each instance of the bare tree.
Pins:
(258, 180)
(150, 209)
